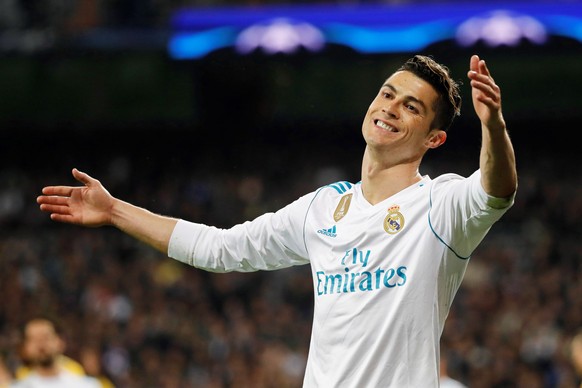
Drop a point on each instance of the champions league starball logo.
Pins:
(394, 221)
(280, 35)
(501, 28)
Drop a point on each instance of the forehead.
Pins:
(39, 328)
(408, 84)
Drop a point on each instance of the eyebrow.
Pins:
(406, 97)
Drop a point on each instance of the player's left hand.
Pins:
(486, 94)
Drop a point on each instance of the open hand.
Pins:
(486, 94)
(88, 205)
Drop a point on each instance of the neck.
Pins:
(48, 370)
(382, 178)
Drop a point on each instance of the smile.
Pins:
(385, 126)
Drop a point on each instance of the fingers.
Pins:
(58, 212)
(53, 200)
(53, 204)
(484, 87)
(54, 209)
(489, 89)
(479, 66)
(57, 207)
(63, 218)
(63, 191)
(60, 201)
(486, 95)
(474, 63)
(483, 69)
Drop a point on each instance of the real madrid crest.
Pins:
(394, 221)
(342, 207)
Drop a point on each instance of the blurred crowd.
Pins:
(148, 321)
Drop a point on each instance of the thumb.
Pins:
(82, 177)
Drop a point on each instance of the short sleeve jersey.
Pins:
(384, 275)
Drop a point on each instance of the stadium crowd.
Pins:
(155, 322)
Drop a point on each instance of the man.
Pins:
(46, 366)
(387, 253)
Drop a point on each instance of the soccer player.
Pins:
(387, 253)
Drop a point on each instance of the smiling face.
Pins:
(399, 118)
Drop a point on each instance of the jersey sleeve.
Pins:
(462, 213)
(271, 241)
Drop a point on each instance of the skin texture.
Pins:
(392, 157)
(497, 159)
(390, 163)
(42, 346)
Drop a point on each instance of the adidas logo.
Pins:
(331, 232)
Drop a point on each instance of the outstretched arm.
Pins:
(497, 160)
(92, 205)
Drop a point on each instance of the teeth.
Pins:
(387, 127)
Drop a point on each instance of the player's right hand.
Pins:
(88, 205)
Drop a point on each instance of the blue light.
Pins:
(195, 45)
(570, 27)
(364, 28)
(385, 40)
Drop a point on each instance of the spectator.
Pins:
(45, 364)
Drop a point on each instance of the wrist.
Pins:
(496, 125)
(116, 212)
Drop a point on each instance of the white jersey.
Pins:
(448, 382)
(62, 380)
(384, 275)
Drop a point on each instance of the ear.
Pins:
(435, 138)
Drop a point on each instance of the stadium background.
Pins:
(224, 138)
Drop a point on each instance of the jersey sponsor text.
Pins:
(359, 281)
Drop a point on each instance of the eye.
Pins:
(411, 108)
(386, 94)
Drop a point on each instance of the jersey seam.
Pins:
(434, 231)
(305, 220)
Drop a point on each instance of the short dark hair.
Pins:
(448, 105)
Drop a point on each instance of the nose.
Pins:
(390, 109)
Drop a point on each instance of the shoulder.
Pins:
(450, 178)
(470, 187)
(339, 188)
(67, 363)
(332, 193)
(446, 184)
(336, 189)
(71, 365)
